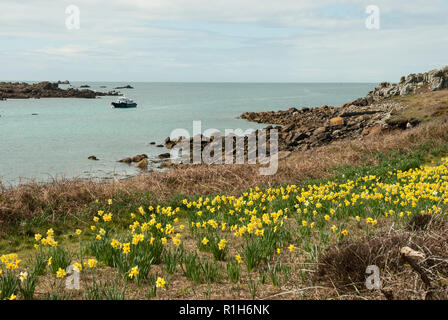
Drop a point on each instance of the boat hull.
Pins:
(124, 105)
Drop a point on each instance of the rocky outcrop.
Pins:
(125, 87)
(433, 80)
(337, 121)
(125, 160)
(139, 157)
(136, 158)
(142, 164)
(140, 160)
(307, 128)
(164, 155)
(9, 90)
(217, 142)
(414, 83)
(169, 144)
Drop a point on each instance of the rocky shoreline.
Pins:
(306, 128)
(45, 89)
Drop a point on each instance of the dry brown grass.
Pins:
(424, 105)
(344, 265)
(67, 197)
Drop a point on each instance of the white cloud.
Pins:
(68, 50)
(289, 40)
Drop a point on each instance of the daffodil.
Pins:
(92, 263)
(238, 258)
(222, 244)
(61, 273)
(23, 276)
(134, 272)
(160, 282)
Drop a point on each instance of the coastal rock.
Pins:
(337, 121)
(45, 89)
(437, 83)
(139, 157)
(136, 158)
(165, 155)
(289, 127)
(299, 136)
(125, 87)
(169, 144)
(434, 80)
(308, 128)
(361, 102)
(320, 131)
(142, 164)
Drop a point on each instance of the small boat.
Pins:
(123, 102)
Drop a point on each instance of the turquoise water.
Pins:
(56, 142)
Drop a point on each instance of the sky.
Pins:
(221, 40)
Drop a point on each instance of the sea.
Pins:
(51, 138)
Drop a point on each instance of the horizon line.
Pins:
(206, 82)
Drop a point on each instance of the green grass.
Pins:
(21, 236)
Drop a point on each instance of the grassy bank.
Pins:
(25, 209)
(286, 241)
(21, 233)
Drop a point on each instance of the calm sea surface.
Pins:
(56, 142)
